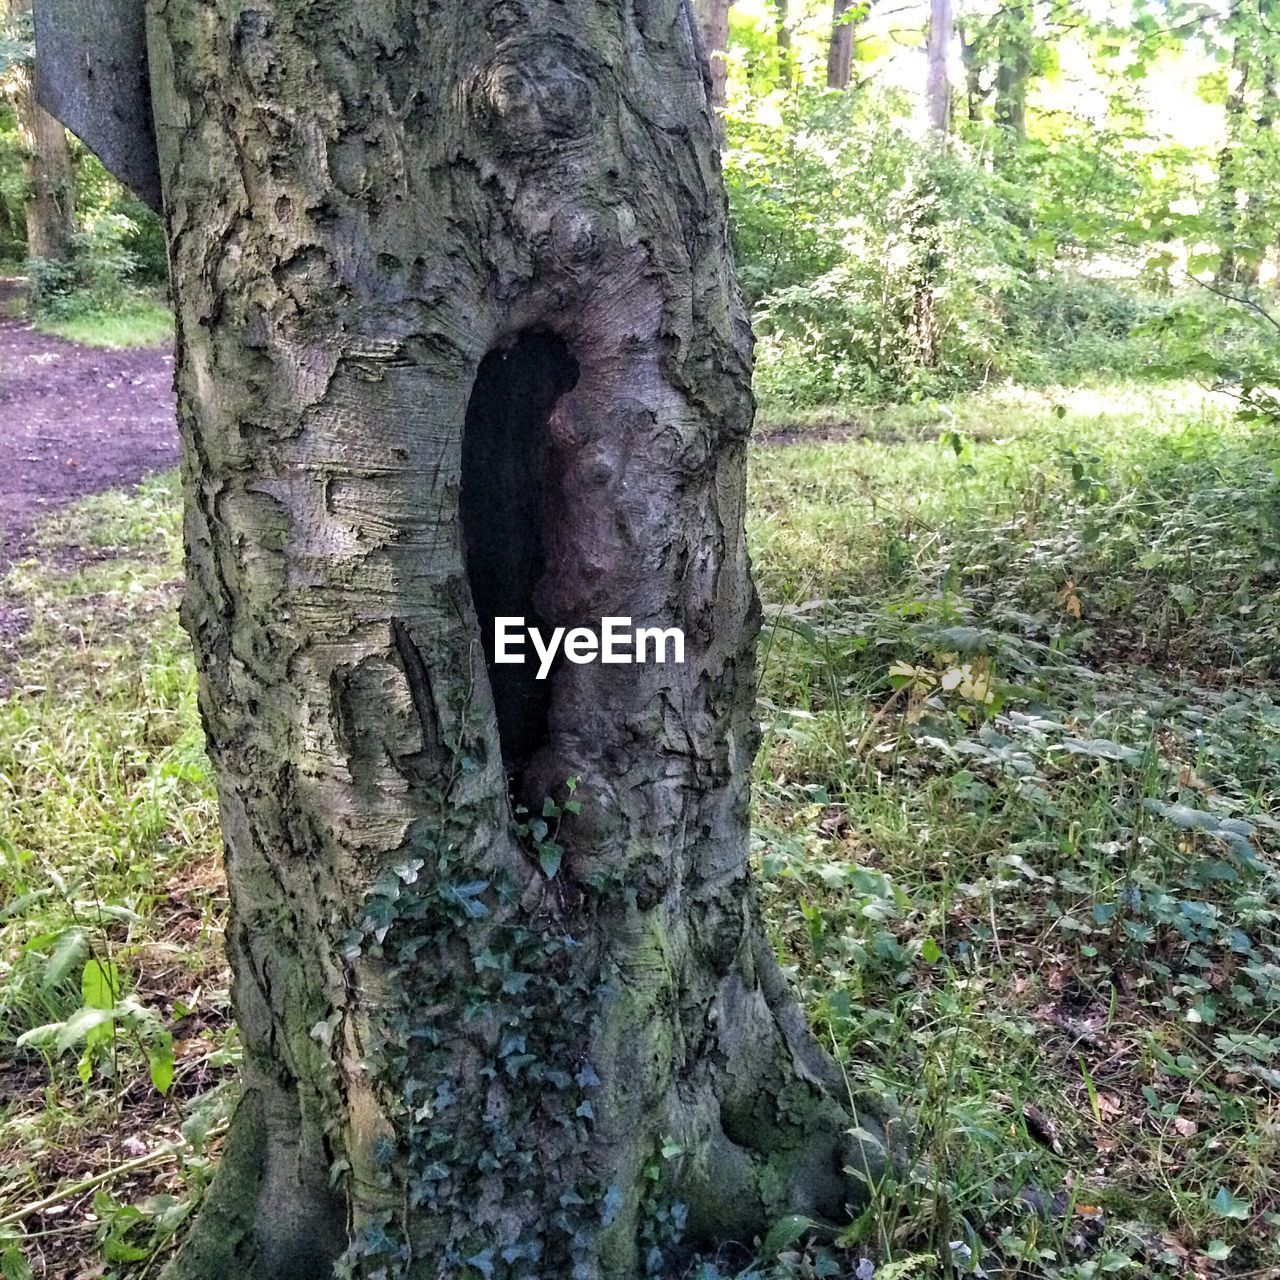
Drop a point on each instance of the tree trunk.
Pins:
(782, 30)
(938, 83)
(713, 20)
(970, 36)
(1013, 68)
(459, 339)
(1230, 165)
(840, 50)
(46, 158)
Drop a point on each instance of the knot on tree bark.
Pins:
(536, 92)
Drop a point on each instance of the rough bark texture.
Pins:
(938, 84)
(402, 233)
(713, 21)
(840, 49)
(46, 158)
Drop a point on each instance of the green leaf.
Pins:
(1218, 1251)
(69, 952)
(100, 984)
(77, 1027)
(1225, 1205)
(549, 858)
(930, 952)
(160, 1058)
(42, 1037)
(13, 1266)
(786, 1231)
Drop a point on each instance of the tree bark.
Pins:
(1230, 215)
(843, 39)
(46, 158)
(971, 36)
(713, 21)
(782, 34)
(938, 83)
(1013, 68)
(458, 336)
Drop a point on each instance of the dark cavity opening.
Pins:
(509, 484)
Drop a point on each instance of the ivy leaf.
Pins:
(610, 1205)
(549, 858)
(1225, 1205)
(786, 1231)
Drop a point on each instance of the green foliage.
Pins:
(915, 305)
(97, 276)
(1043, 917)
(113, 994)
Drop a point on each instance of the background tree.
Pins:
(50, 203)
(938, 86)
(1013, 46)
(713, 20)
(845, 16)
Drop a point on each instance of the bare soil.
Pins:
(73, 421)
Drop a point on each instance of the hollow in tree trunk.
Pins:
(458, 340)
(46, 159)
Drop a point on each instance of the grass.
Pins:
(113, 996)
(138, 321)
(1015, 818)
(1014, 836)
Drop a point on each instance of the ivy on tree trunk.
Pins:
(458, 335)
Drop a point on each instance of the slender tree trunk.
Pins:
(782, 28)
(975, 94)
(1013, 69)
(46, 157)
(1229, 212)
(844, 31)
(938, 84)
(713, 20)
(459, 338)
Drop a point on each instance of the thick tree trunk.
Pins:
(46, 158)
(938, 83)
(713, 21)
(458, 338)
(840, 50)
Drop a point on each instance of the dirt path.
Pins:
(73, 421)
